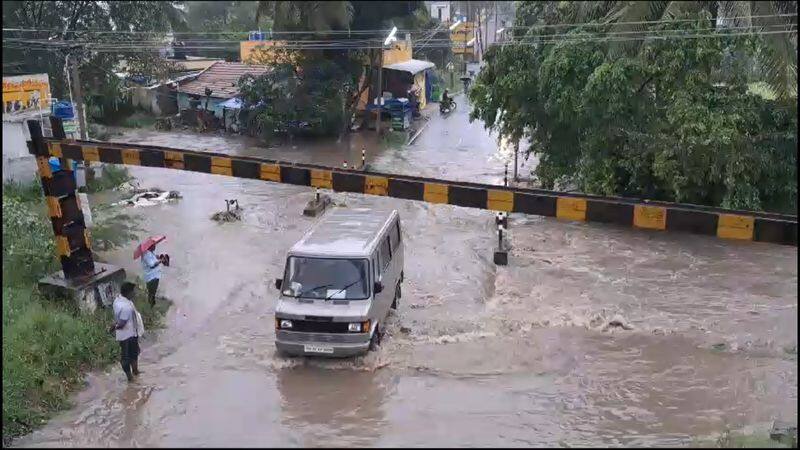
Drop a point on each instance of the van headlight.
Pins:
(358, 327)
(284, 324)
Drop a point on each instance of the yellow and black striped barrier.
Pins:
(73, 243)
(650, 215)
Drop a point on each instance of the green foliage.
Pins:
(72, 21)
(230, 20)
(315, 92)
(674, 121)
(320, 88)
(47, 345)
(46, 348)
(28, 244)
(113, 175)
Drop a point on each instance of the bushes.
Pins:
(47, 346)
(46, 349)
(113, 176)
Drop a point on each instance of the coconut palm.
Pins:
(316, 16)
(778, 52)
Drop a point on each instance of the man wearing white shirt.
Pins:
(127, 327)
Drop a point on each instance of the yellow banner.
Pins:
(25, 93)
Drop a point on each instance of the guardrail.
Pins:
(643, 214)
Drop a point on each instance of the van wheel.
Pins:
(375, 341)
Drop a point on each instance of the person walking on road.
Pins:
(127, 328)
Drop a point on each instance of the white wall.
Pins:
(18, 164)
(445, 8)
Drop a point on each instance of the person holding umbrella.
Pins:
(151, 264)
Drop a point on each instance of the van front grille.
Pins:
(313, 326)
(334, 338)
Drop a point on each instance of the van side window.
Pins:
(394, 232)
(385, 253)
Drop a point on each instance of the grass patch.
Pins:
(47, 345)
(113, 176)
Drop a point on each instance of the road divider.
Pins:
(634, 213)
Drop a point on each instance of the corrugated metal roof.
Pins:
(221, 78)
(412, 66)
(195, 64)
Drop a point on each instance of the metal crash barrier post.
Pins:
(501, 254)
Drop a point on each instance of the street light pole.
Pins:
(380, 92)
(389, 39)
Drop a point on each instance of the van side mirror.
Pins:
(378, 288)
(278, 283)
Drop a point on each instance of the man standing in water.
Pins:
(127, 328)
(152, 272)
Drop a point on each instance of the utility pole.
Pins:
(380, 92)
(485, 32)
(494, 39)
(78, 94)
(389, 39)
(516, 153)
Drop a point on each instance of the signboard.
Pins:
(26, 93)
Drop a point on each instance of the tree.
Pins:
(82, 24)
(324, 86)
(223, 20)
(665, 122)
(777, 55)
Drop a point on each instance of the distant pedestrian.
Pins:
(127, 328)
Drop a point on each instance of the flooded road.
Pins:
(476, 355)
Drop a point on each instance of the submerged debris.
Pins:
(618, 322)
(149, 197)
(230, 214)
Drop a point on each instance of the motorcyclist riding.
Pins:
(446, 103)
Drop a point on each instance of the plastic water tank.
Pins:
(63, 110)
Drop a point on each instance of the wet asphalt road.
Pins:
(476, 355)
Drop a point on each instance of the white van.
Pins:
(340, 281)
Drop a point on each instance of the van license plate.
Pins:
(317, 349)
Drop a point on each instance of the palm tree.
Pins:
(312, 16)
(778, 52)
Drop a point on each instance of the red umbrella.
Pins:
(146, 244)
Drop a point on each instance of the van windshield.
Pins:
(326, 278)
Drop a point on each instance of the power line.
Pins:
(374, 31)
(547, 39)
(643, 22)
(363, 42)
(180, 33)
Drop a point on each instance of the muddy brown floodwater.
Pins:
(476, 355)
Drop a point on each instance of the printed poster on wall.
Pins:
(25, 94)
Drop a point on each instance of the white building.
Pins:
(18, 164)
(440, 10)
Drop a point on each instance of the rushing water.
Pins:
(476, 355)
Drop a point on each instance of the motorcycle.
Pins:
(447, 107)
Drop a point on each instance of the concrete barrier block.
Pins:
(316, 207)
